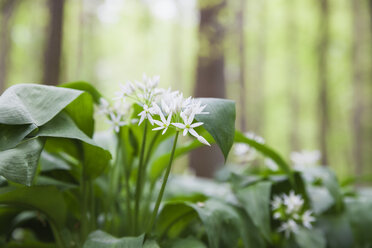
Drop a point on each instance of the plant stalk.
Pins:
(165, 179)
(139, 180)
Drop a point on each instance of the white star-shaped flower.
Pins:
(307, 218)
(188, 127)
(293, 202)
(116, 121)
(164, 123)
(288, 227)
(146, 113)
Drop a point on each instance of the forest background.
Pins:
(299, 71)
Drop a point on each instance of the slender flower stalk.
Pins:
(139, 185)
(165, 179)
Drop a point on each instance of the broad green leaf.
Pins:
(12, 135)
(306, 238)
(46, 199)
(34, 104)
(48, 181)
(7, 215)
(100, 239)
(220, 122)
(256, 202)
(222, 222)
(20, 163)
(267, 151)
(84, 86)
(95, 158)
(81, 110)
(187, 243)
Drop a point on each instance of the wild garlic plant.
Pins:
(164, 110)
(289, 209)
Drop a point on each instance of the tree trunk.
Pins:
(210, 78)
(7, 9)
(358, 81)
(323, 84)
(53, 47)
(258, 87)
(242, 65)
(292, 76)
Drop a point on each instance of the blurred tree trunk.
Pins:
(177, 48)
(7, 9)
(210, 78)
(242, 65)
(292, 75)
(359, 78)
(323, 79)
(53, 46)
(368, 148)
(258, 87)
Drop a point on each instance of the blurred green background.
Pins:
(300, 71)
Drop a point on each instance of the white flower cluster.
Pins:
(163, 108)
(289, 209)
(246, 153)
(305, 158)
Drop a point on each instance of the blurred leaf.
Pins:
(46, 199)
(151, 244)
(256, 202)
(337, 230)
(20, 163)
(84, 86)
(100, 239)
(160, 163)
(267, 151)
(51, 162)
(30, 244)
(307, 238)
(223, 224)
(359, 214)
(7, 215)
(48, 181)
(12, 135)
(320, 198)
(220, 122)
(174, 215)
(33, 104)
(187, 243)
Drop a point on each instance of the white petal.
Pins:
(193, 133)
(150, 119)
(159, 123)
(185, 131)
(142, 118)
(169, 118)
(202, 140)
(197, 124)
(157, 128)
(164, 131)
(179, 125)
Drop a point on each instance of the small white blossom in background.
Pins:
(305, 158)
(246, 153)
(289, 210)
(164, 108)
(271, 164)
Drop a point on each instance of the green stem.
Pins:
(165, 179)
(57, 235)
(139, 180)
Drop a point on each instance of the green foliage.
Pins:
(99, 239)
(220, 122)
